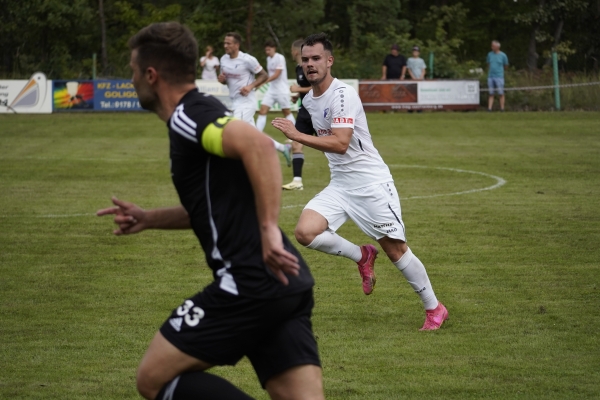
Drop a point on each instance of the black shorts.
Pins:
(220, 329)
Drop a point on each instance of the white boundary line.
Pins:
(499, 182)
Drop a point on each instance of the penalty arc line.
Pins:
(499, 182)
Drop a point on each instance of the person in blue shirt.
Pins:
(497, 62)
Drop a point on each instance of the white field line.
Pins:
(499, 182)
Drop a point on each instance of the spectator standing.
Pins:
(210, 64)
(394, 65)
(497, 62)
(416, 65)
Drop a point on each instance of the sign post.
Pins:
(556, 88)
(431, 65)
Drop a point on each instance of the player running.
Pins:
(278, 92)
(228, 180)
(238, 72)
(300, 90)
(361, 188)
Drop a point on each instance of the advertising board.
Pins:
(33, 96)
(419, 95)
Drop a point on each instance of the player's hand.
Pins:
(383, 78)
(245, 90)
(286, 127)
(222, 78)
(294, 88)
(295, 99)
(129, 217)
(278, 259)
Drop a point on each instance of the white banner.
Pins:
(448, 92)
(33, 96)
(221, 92)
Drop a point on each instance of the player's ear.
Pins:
(330, 61)
(151, 75)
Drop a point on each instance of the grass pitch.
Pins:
(517, 266)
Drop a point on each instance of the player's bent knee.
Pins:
(304, 236)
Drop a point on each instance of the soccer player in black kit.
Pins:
(302, 88)
(228, 179)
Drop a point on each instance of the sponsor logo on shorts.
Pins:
(392, 230)
(343, 120)
(386, 225)
(176, 323)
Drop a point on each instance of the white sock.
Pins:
(290, 116)
(279, 146)
(331, 243)
(261, 121)
(414, 272)
(297, 179)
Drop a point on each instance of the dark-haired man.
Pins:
(394, 65)
(361, 188)
(242, 73)
(301, 88)
(228, 179)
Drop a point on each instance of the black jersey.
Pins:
(218, 196)
(301, 79)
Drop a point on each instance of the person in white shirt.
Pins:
(416, 65)
(242, 73)
(361, 188)
(210, 65)
(278, 92)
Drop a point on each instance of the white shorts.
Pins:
(244, 110)
(283, 99)
(375, 209)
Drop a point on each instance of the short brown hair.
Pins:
(236, 36)
(298, 44)
(170, 48)
(270, 43)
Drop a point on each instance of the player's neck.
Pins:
(322, 86)
(234, 54)
(170, 97)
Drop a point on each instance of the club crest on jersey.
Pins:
(325, 113)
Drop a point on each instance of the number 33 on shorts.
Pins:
(193, 318)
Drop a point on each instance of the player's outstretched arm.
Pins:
(337, 142)
(130, 218)
(256, 150)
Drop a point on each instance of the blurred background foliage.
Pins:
(60, 36)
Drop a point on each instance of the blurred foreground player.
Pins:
(228, 179)
(361, 188)
(301, 89)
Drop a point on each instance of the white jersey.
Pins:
(279, 85)
(340, 107)
(240, 72)
(209, 71)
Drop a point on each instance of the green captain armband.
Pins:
(212, 137)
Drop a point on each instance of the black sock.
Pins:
(297, 163)
(200, 385)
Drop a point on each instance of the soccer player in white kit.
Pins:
(238, 72)
(278, 92)
(361, 188)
